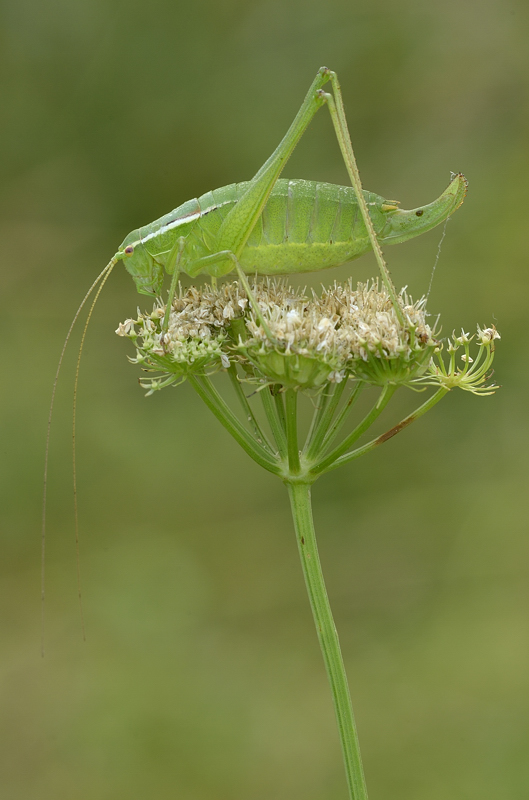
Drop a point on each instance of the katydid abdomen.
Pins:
(305, 226)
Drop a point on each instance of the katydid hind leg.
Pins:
(241, 220)
(337, 111)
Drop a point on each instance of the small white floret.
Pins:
(125, 328)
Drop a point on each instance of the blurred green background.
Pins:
(201, 677)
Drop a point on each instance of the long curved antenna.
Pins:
(74, 465)
(108, 269)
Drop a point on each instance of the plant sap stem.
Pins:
(298, 474)
(323, 421)
(300, 502)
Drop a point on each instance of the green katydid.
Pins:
(272, 226)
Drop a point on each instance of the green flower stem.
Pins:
(321, 427)
(323, 436)
(276, 425)
(360, 451)
(280, 406)
(321, 404)
(250, 416)
(384, 398)
(291, 402)
(216, 404)
(342, 416)
(330, 646)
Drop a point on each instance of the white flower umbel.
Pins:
(344, 333)
(194, 342)
(309, 341)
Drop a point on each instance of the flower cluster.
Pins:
(195, 342)
(304, 343)
(475, 372)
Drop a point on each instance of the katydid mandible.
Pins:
(272, 226)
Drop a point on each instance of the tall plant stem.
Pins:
(300, 502)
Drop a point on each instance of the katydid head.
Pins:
(146, 273)
(400, 225)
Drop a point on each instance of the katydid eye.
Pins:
(418, 213)
(129, 250)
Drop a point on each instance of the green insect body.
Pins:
(304, 227)
(270, 226)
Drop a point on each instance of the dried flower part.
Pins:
(314, 340)
(488, 335)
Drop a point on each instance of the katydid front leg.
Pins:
(173, 263)
(239, 223)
